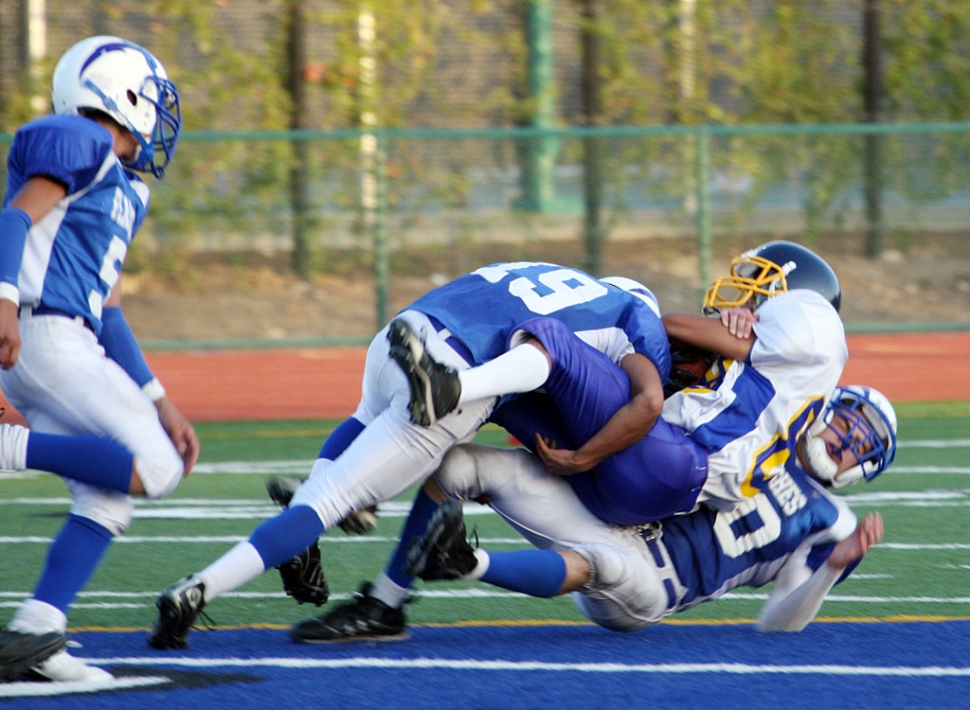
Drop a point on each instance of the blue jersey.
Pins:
(484, 308)
(73, 256)
(716, 551)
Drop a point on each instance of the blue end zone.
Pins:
(557, 667)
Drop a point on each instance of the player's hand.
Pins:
(739, 321)
(857, 545)
(9, 334)
(561, 462)
(180, 431)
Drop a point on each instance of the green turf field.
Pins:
(922, 569)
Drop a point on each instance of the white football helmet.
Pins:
(636, 288)
(128, 83)
(866, 409)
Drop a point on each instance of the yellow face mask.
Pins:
(752, 280)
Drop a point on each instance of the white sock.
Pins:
(522, 369)
(238, 566)
(37, 617)
(389, 592)
(481, 568)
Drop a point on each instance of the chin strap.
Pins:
(816, 457)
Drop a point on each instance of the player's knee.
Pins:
(160, 473)
(112, 511)
(608, 566)
(622, 594)
(457, 476)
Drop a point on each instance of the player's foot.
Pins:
(435, 388)
(364, 618)
(178, 607)
(19, 652)
(64, 667)
(282, 488)
(442, 552)
(13, 447)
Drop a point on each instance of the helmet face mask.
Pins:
(771, 269)
(126, 82)
(869, 433)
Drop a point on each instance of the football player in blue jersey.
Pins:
(379, 452)
(71, 209)
(793, 532)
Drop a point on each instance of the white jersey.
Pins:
(749, 414)
(646, 573)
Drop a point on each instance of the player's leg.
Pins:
(96, 518)
(103, 430)
(84, 399)
(389, 455)
(607, 566)
(375, 614)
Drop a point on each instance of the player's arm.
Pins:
(629, 424)
(799, 591)
(120, 345)
(36, 198)
(728, 336)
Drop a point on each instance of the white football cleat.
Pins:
(63, 667)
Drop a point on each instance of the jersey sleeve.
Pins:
(797, 328)
(803, 581)
(68, 149)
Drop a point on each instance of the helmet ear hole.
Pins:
(132, 98)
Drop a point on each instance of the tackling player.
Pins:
(763, 392)
(793, 532)
(104, 424)
(378, 452)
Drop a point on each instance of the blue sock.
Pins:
(421, 511)
(538, 573)
(71, 560)
(284, 537)
(340, 438)
(89, 459)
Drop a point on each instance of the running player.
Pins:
(104, 424)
